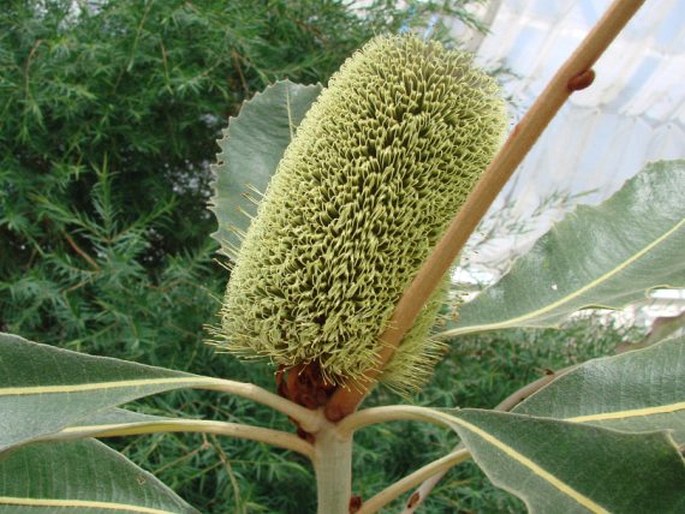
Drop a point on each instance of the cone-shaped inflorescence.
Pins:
(380, 164)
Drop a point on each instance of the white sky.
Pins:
(632, 114)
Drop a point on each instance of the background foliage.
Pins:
(109, 112)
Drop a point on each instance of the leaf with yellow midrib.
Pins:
(606, 256)
(44, 389)
(559, 466)
(81, 476)
(636, 391)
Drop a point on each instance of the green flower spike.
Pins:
(379, 165)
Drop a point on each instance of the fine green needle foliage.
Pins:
(379, 165)
(139, 89)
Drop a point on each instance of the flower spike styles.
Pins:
(379, 165)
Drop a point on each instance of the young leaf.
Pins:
(81, 476)
(251, 149)
(44, 389)
(557, 466)
(636, 391)
(606, 256)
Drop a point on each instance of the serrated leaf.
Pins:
(606, 256)
(638, 391)
(44, 389)
(82, 476)
(251, 148)
(557, 466)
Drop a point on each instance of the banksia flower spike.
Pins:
(379, 165)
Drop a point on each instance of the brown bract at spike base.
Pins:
(345, 399)
(304, 385)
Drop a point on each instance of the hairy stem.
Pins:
(574, 74)
(377, 415)
(237, 430)
(333, 467)
(309, 420)
(439, 466)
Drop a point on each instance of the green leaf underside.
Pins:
(119, 419)
(82, 476)
(251, 149)
(604, 256)
(557, 466)
(637, 391)
(119, 416)
(45, 389)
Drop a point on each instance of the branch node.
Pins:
(581, 80)
(414, 500)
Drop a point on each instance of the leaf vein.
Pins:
(631, 413)
(84, 504)
(534, 467)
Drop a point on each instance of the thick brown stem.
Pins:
(574, 74)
